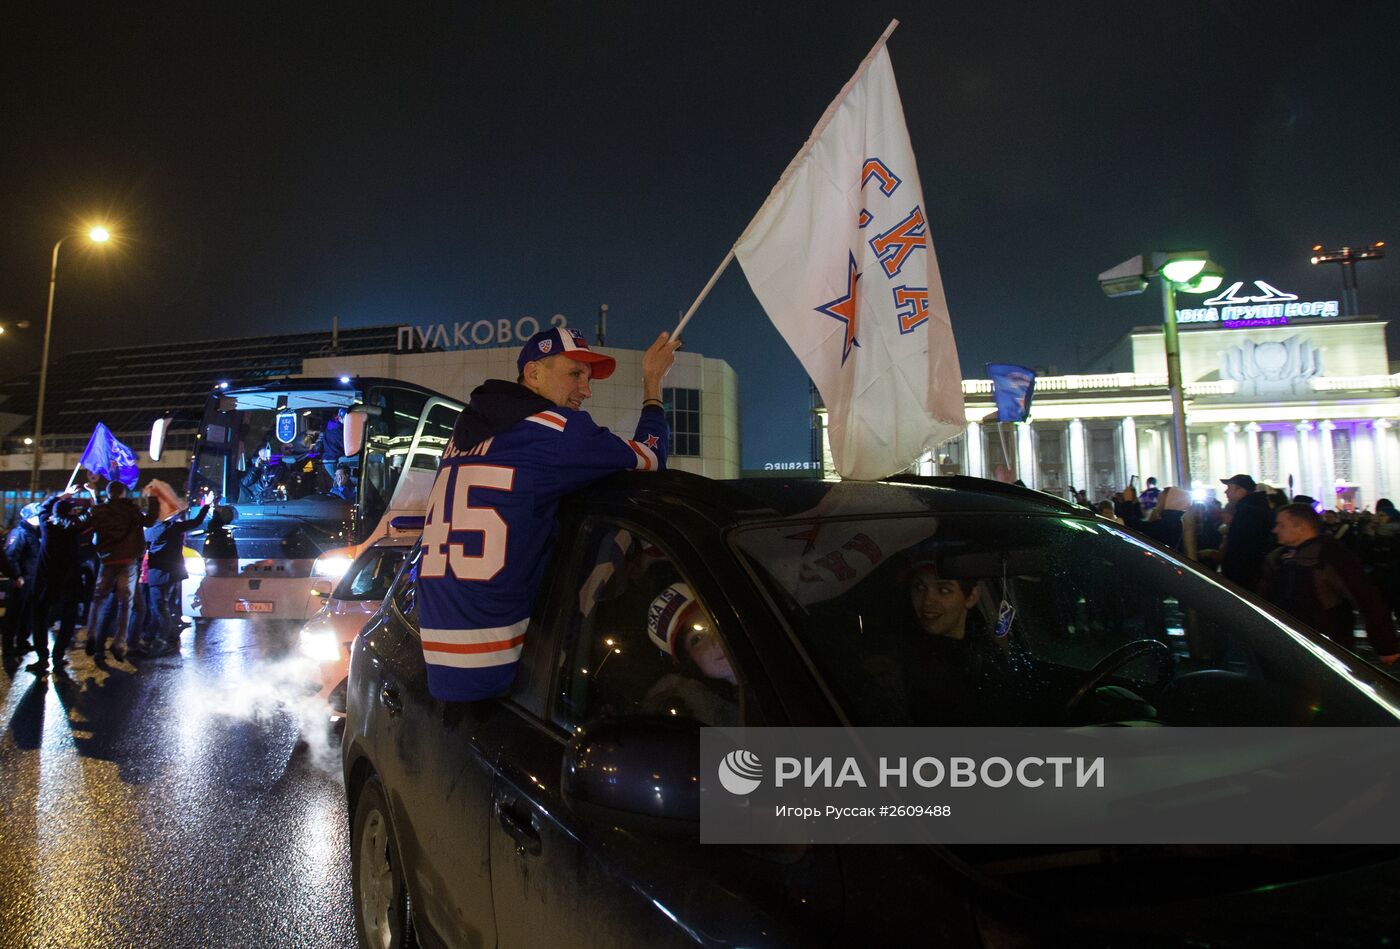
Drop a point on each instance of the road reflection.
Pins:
(170, 802)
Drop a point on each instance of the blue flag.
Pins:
(106, 456)
(1014, 386)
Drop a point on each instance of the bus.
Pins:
(276, 540)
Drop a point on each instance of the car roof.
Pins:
(395, 540)
(756, 499)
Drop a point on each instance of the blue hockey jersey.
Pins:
(489, 529)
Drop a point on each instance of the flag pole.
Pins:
(1006, 455)
(782, 179)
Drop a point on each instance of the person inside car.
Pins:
(703, 686)
(943, 666)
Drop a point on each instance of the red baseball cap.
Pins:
(568, 342)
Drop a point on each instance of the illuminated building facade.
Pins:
(1287, 391)
(1306, 402)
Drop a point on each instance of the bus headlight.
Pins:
(194, 564)
(332, 564)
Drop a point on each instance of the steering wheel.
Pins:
(1120, 657)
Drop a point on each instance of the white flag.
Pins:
(840, 257)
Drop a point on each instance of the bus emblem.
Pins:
(286, 427)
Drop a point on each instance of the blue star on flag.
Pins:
(843, 308)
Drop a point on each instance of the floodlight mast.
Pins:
(1346, 258)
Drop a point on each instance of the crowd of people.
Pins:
(92, 556)
(1325, 567)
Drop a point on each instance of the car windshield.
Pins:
(1029, 619)
(370, 576)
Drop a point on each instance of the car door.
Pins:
(559, 878)
(438, 775)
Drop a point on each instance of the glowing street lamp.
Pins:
(1190, 271)
(97, 235)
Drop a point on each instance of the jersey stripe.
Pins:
(457, 639)
(474, 648)
(646, 458)
(475, 660)
(549, 420)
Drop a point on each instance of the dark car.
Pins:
(473, 824)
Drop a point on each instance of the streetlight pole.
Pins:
(1173, 346)
(1193, 272)
(44, 373)
(98, 235)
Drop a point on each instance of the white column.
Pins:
(1025, 455)
(1130, 449)
(1232, 454)
(974, 451)
(1303, 476)
(1078, 460)
(1149, 457)
(1328, 496)
(1379, 428)
(1252, 466)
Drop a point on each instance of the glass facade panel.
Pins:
(1104, 477)
(1200, 458)
(1341, 454)
(683, 414)
(1268, 457)
(1050, 460)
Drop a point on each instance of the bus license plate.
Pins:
(252, 606)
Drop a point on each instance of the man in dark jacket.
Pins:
(1313, 577)
(165, 570)
(344, 487)
(117, 528)
(22, 554)
(63, 521)
(1250, 537)
(331, 443)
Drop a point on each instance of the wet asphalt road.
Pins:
(167, 802)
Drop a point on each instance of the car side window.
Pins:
(641, 640)
(370, 579)
(404, 592)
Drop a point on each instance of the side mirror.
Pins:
(355, 421)
(636, 771)
(159, 428)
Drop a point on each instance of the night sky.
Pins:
(271, 167)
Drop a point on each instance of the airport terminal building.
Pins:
(128, 388)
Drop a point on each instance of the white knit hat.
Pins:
(664, 616)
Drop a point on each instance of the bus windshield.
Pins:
(274, 446)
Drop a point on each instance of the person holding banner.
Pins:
(118, 529)
(63, 521)
(516, 449)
